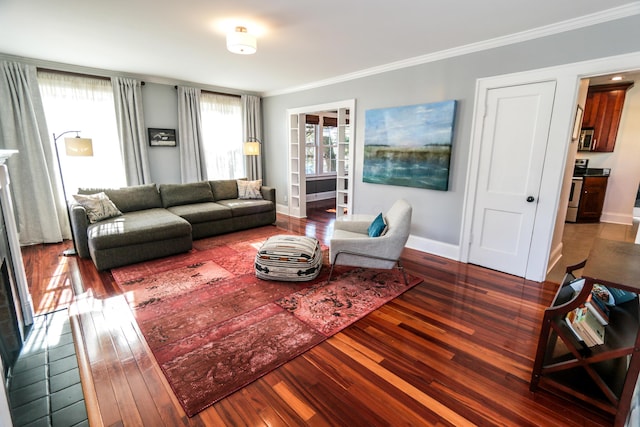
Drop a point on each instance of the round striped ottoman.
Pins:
(289, 258)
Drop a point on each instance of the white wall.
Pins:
(160, 103)
(556, 242)
(437, 216)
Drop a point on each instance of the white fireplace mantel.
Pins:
(25, 302)
(5, 154)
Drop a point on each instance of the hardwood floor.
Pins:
(455, 350)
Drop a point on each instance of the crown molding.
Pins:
(620, 12)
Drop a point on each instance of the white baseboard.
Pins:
(321, 196)
(616, 218)
(445, 250)
(554, 258)
(282, 209)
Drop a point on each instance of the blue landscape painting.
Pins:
(409, 146)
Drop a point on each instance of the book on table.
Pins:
(586, 326)
(598, 308)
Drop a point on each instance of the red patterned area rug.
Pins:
(214, 327)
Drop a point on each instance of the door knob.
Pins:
(530, 199)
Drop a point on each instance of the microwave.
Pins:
(586, 140)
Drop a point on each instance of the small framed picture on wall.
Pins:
(162, 137)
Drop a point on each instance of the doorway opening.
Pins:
(321, 157)
(619, 218)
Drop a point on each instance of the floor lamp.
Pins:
(79, 147)
(251, 147)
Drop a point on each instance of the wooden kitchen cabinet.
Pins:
(602, 112)
(594, 188)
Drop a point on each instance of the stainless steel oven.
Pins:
(574, 199)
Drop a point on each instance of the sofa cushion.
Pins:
(135, 198)
(137, 227)
(196, 213)
(247, 207)
(129, 199)
(224, 189)
(183, 194)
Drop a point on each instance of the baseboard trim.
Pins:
(314, 197)
(445, 250)
(615, 218)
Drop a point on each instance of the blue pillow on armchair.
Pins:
(378, 227)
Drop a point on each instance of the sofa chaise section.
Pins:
(163, 220)
(144, 230)
(138, 236)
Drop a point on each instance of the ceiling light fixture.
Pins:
(616, 78)
(241, 42)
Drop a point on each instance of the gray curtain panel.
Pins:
(37, 189)
(252, 127)
(127, 96)
(192, 158)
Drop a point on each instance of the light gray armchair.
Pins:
(351, 244)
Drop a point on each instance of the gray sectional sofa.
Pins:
(162, 220)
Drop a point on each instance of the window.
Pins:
(311, 137)
(222, 135)
(321, 136)
(85, 104)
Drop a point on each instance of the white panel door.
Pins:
(515, 132)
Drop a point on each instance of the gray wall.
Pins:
(160, 103)
(437, 215)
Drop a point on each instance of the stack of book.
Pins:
(598, 308)
(588, 321)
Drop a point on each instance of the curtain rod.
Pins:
(71, 73)
(216, 93)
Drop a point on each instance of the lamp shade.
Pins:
(81, 147)
(241, 42)
(251, 148)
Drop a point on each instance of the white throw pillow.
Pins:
(249, 189)
(98, 206)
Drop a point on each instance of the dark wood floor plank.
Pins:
(370, 391)
(455, 350)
